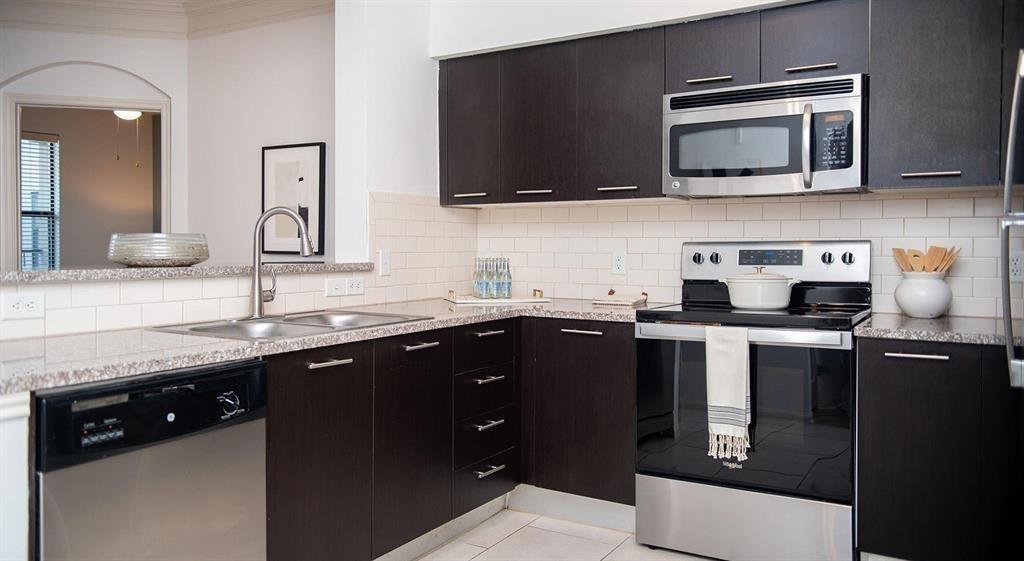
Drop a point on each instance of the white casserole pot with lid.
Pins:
(759, 290)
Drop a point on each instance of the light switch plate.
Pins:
(1017, 266)
(22, 305)
(335, 286)
(384, 262)
(618, 262)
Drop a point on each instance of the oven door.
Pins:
(802, 387)
(766, 148)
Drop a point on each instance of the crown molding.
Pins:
(166, 19)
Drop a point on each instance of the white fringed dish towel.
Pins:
(728, 380)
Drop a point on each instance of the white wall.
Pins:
(262, 86)
(106, 66)
(471, 26)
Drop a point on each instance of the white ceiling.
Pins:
(154, 18)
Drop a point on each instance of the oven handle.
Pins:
(805, 145)
(842, 340)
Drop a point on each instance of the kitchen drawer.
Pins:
(483, 344)
(485, 480)
(485, 435)
(484, 390)
(427, 348)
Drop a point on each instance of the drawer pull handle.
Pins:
(488, 380)
(919, 357)
(622, 188)
(709, 79)
(822, 66)
(913, 174)
(491, 470)
(490, 333)
(535, 192)
(583, 332)
(489, 425)
(421, 346)
(328, 363)
(468, 195)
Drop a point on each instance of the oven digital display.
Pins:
(771, 257)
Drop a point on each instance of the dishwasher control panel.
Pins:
(81, 426)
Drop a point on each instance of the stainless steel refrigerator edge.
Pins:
(1011, 219)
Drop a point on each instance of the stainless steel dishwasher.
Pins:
(168, 467)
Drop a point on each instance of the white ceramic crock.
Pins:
(759, 290)
(923, 295)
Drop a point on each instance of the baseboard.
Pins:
(573, 508)
(443, 534)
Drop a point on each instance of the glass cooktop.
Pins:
(832, 317)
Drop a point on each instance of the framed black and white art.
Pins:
(293, 177)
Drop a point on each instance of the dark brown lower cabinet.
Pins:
(938, 450)
(412, 437)
(319, 446)
(579, 394)
(485, 480)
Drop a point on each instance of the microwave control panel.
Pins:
(833, 136)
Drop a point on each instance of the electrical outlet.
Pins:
(618, 262)
(22, 305)
(384, 262)
(354, 286)
(1017, 266)
(335, 286)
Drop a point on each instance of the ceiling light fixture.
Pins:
(127, 114)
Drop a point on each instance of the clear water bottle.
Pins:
(479, 286)
(505, 279)
(491, 276)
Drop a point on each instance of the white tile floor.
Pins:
(517, 536)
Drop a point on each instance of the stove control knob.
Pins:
(715, 258)
(848, 258)
(229, 403)
(698, 258)
(827, 258)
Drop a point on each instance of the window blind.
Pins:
(40, 202)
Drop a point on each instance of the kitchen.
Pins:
(442, 133)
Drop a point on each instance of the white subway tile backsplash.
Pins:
(142, 291)
(861, 209)
(974, 227)
(122, 316)
(731, 229)
(926, 227)
(819, 210)
(227, 287)
(839, 228)
(781, 211)
(743, 212)
(200, 310)
(762, 229)
(675, 212)
(641, 213)
(881, 227)
(709, 212)
(950, 207)
(184, 289)
(87, 294)
(610, 214)
(162, 313)
(800, 229)
(905, 208)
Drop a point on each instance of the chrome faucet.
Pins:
(259, 296)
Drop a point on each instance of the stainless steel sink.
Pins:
(249, 330)
(342, 319)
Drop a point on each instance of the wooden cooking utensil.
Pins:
(916, 260)
(901, 259)
(933, 259)
(951, 259)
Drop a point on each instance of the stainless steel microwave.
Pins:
(800, 136)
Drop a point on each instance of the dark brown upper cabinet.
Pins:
(1013, 41)
(469, 124)
(538, 123)
(934, 106)
(619, 132)
(815, 39)
(713, 53)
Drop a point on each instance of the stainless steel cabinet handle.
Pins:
(914, 356)
(805, 145)
(488, 380)
(821, 66)
(489, 425)
(950, 173)
(491, 470)
(709, 79)
(621, 188)
(422, 346)
(535, 192)
(490, 333)
(583, 332)
(468, 195)
(328, 363)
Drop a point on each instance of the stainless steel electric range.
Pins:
(793, 497)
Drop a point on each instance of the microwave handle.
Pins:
(805, 146)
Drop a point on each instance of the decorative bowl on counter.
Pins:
(923, 294)
(158, 250)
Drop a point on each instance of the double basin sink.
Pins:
(298, 325)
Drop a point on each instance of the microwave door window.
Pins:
(748, 147)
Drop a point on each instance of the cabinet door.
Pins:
(935, 93)
(469, 93)
(621, 78)
(919, 477)
(817, 39)
(583, 405)
(538, 123)
(412, 437)
(713, 53)
(319, 446)
(1013, 42)
(1002, 460)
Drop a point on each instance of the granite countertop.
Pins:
(195, 271)
(976, 331)
(48, 362)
